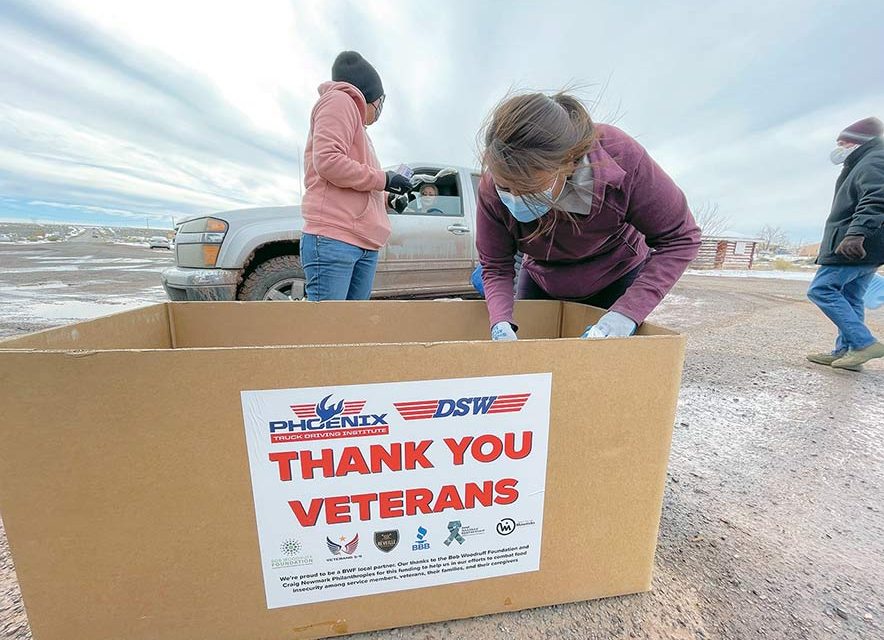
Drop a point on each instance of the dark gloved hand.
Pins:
(852, 248)
(399, 203)
(397, 183)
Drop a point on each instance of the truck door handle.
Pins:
(458, 229)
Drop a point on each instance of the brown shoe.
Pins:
(825, 358)
(856, 357)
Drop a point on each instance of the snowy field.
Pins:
(52, 284)
(776, 275)
(56, 302)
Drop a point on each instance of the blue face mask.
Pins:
(521, 210)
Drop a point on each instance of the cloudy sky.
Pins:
(123, 111)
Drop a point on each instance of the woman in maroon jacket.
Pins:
(586, 205)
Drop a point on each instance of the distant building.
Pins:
(726, 251)
(809, 250)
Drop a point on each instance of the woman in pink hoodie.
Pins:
(344, 207)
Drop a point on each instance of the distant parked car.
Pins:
(5, 238)
(159, 242)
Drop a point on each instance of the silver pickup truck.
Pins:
(253, 254)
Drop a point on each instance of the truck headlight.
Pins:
(198, 242)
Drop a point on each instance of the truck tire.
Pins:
(280, 278)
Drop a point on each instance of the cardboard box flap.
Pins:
(188, 325)
(576, 317)
(144, 328)
(208, 324)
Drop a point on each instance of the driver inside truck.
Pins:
(427, 202)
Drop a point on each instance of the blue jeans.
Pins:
(838, 291)
(336, 270)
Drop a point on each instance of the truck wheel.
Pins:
(280, 278)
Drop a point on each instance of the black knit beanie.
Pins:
(351, 67)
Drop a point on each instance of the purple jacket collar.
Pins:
(606, 173)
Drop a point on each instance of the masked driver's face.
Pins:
(428, 196)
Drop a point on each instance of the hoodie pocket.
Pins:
(364, 208)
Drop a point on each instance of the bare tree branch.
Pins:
(772, 238)
(710, 219)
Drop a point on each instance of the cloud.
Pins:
(174, 108)
(83, 207)
(106, 122)
(780, 174)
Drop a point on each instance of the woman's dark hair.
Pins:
(529, 136)
(534, 134)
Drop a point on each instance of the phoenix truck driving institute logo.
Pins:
(459, 407)
(326, 420)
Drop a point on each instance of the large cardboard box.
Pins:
(265, 470)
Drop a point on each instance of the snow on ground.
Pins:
(88, 263)
(678, 310)
(51, 301)
(776, 275)
(66, 267)
(70, 282)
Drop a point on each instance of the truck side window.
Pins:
(440, 199)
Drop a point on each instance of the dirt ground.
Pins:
(772, 519)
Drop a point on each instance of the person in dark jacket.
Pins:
(852, 248)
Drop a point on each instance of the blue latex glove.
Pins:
(476, 280)
(503, 332)
(611, 325)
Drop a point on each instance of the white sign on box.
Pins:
(374, 488)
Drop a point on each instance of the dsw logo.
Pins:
(459, 407)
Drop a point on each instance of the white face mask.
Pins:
(839, 154)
